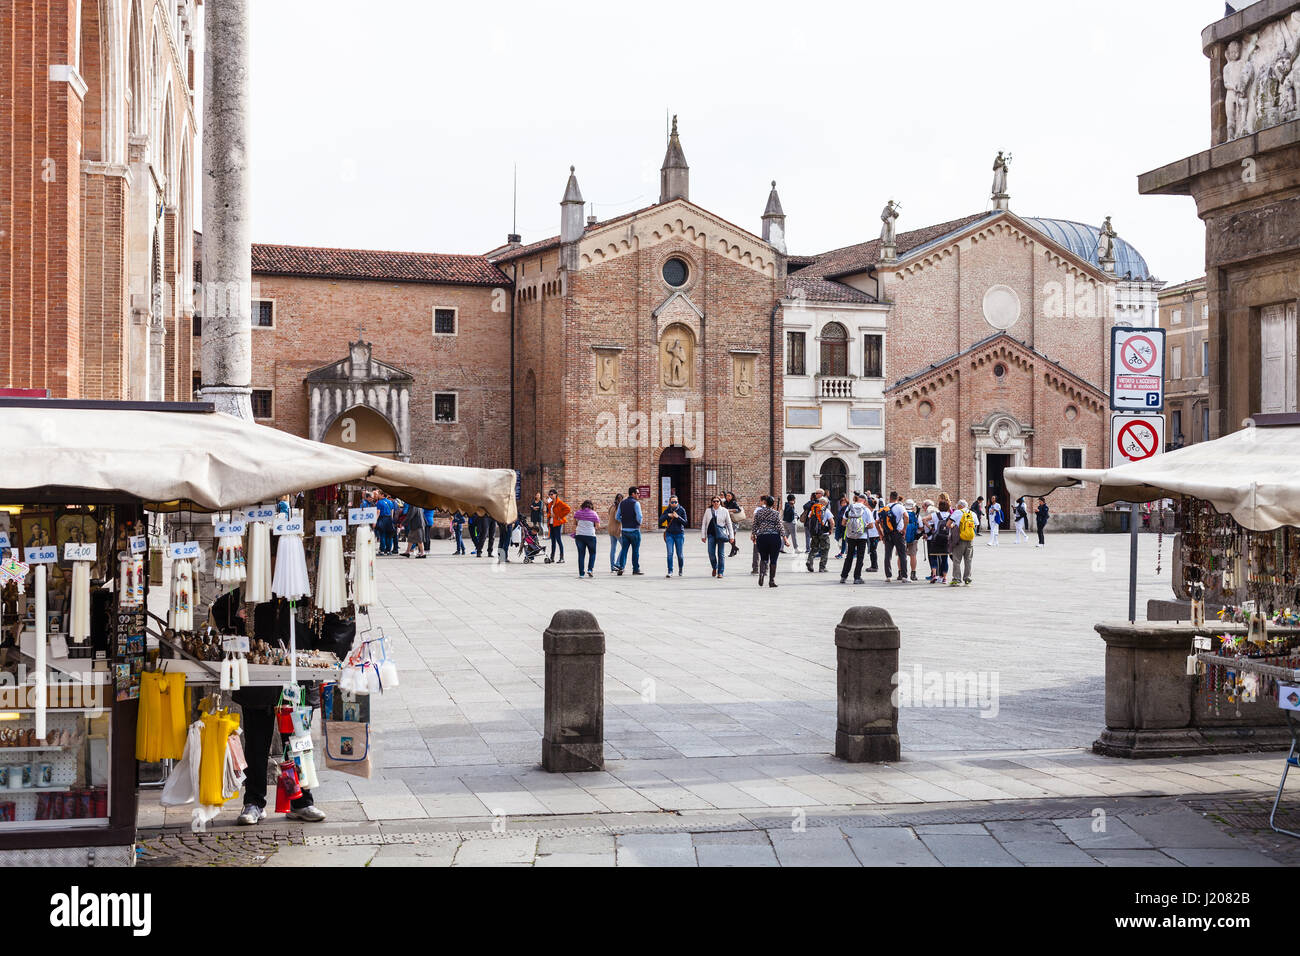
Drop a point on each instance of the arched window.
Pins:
(834, 349)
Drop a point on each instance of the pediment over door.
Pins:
(360, 380)
(835, 443)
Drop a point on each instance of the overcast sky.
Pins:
(397, 125)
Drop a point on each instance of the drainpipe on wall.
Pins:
(514, 276)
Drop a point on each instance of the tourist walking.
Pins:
(962, 536)
(768, 536)
(737, 512)
(630, 518)
(893, 529)
(938, 540)
(856, 522)
(875, 510)
(385, 529)
(584, 536)
(557, 513)
(673, 520)
(719, 533)
(995, 521)
(819, 526)
(615, 533)
(415, 530)
(912, 534)
(458, 529)
(841, 506)
(1042, 514)
(1022, 520)
(978, 510)
(788, 519)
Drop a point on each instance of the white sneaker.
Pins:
(251, 816)
(312, 814)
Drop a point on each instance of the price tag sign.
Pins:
(139, 544)
(300, 745)
(79, 552)
(363, 515)
(285, 526)
(260, 513)
(46, 555)
(230, 529)
(184, 550)
(4, 539)
(331, 529)
(235, 643)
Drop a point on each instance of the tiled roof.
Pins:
(372, 264)
(860, 257)
(815, 289)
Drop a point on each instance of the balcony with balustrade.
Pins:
(835, 387)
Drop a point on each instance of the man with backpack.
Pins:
(893, 529)
(857, 519)
(819, 525)
(912, 533)
(875, 511)
(962, 535)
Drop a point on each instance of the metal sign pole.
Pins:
(1132, 563)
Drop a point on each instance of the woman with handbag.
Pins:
(615, 533)
(768, 537)
(719, 532)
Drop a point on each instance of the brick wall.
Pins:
(316, 319)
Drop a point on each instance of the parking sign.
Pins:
(1137, 369)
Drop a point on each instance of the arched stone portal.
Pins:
(363, 429)
(361, 384)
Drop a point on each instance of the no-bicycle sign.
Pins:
(1135, 438)
(1137, 369)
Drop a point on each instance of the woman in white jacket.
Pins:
(719, 534)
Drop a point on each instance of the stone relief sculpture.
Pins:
(1261, 80)
(677, 352)
(888, 216)
(744, 376)
(606, 373)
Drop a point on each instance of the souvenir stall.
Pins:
(1221, 680)
(92, 677)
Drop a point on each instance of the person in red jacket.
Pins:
(557, 513)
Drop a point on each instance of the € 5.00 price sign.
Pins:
(1137, 369)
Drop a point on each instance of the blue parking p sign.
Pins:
(1153, 399)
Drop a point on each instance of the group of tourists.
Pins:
(860, 526)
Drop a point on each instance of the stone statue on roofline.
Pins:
(888, 216)
(1000, 165)
(1106, 237)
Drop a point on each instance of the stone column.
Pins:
(573, 737)
(227, 240)
(866, 650)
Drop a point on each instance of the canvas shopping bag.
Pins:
(347, 747)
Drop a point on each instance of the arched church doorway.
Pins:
(675, 479)
(834, 478)
(365, 430)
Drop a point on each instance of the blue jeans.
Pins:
(718, 553)
(587, 546)
(613, 551)
(675, 541)
(460, 542)
(631, 539)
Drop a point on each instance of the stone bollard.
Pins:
(866, 648)
(573, 739)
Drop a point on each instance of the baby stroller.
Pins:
(529, 545)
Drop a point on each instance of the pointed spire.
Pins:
(774, 221)
(571, 191)
(674, 175)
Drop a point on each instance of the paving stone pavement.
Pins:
(720, 704)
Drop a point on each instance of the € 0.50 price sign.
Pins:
(1136, 438)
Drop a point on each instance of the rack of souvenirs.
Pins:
(1228, 564)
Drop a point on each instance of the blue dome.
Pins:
(1081, 239)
